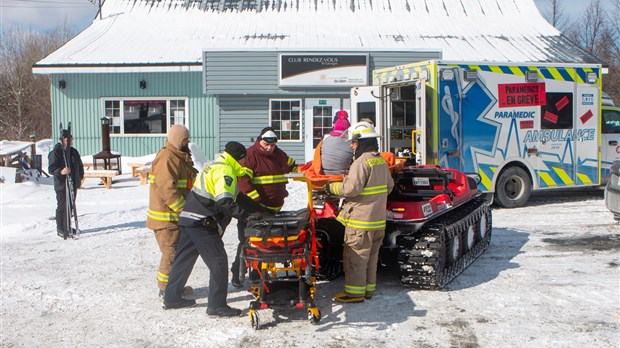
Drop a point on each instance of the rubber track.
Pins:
(422, 256)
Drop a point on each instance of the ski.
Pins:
(70, 208)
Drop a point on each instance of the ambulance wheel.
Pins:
(254, 320)
(314, 315)
(514, 187)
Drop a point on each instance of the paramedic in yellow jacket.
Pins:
(365, 190)
(213, 202)
(171, 178)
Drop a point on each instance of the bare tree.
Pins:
(614, 28)
(25, 98)
(597, 31)
(556, 15)
(611, 82)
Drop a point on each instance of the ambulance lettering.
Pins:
(553, 135)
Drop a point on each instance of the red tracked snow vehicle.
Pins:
(438, 223)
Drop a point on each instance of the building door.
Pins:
(319, 115)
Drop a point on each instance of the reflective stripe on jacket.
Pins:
(264, 181)
(214, 194)
(171, 178)
(365, 190)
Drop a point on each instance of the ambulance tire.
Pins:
(514, 187)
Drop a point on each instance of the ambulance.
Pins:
(519, 126)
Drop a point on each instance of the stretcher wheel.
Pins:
(314, 315)
(254, 320)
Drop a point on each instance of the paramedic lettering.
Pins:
(521, 94)
(514, 114)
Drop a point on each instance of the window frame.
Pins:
(121, 107)
(279, 130)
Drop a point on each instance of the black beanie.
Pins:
(65, 134)
(235, 149)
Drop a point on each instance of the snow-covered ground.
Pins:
(550, 278)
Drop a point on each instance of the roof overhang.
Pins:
(115, 68)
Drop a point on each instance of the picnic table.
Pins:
(104, 175)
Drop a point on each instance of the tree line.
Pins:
(25, 104)
(25, 101)
(597, 31)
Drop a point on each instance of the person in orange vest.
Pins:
(171, 178)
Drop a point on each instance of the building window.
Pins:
(113, 111)
(285, 118)
(177, 112)
(145, 116)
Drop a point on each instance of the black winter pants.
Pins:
(61, 208)
(241, 225)
(208, 244)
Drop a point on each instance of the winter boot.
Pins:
(182, 303)
(234, 280)
(188, 290)
(344, 297)
(224, 311)
(61, 233)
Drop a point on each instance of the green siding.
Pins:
(256, 72)
(241, 72)
(80, 102)
(240, 83)
(243, 118)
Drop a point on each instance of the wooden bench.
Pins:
(104, 175)
(135, 168)
(143, 172)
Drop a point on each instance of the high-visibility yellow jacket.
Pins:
(215, 195)
(171, 178)
(365, 190)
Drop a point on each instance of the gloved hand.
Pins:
(327, 190)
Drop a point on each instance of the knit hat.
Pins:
(341, 124)
(177, 134)
(235, 149)
(268, 134)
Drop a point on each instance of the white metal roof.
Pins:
(170, 35)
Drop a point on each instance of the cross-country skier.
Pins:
(57, 167)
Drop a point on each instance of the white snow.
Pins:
(549, 278)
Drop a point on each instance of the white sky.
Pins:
(78, 14)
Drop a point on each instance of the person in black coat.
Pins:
(59, 170)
